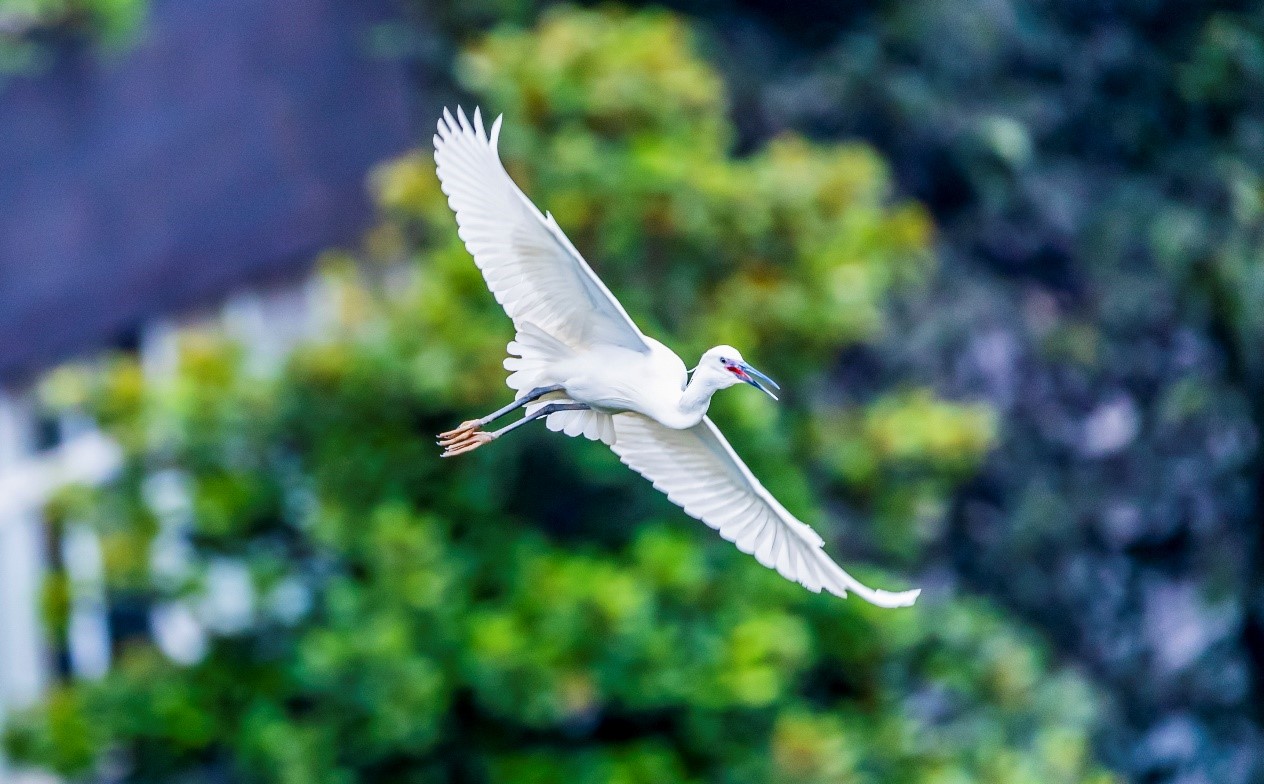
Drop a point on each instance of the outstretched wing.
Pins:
(701, 473)
(530, 266)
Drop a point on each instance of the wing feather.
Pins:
(531, 267)
(700, 472)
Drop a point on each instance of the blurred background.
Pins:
(1005, 256)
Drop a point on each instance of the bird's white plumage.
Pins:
(531, 267)
(573, 332)
(698, 470)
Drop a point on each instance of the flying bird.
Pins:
(579, 362)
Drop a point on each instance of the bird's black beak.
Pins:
(753, 377)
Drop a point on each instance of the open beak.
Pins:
(758, 380)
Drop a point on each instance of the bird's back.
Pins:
(612, 379)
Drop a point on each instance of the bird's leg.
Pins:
(473, 440)
(470, 425)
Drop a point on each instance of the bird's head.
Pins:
(723, 366)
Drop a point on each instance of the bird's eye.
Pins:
(723, 360)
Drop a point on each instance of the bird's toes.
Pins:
(468, 426)
(460, 434)
(468, 444)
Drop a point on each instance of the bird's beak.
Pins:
(753, 377)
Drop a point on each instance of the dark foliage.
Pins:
(1094, 169)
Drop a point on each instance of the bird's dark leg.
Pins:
(470, 425)
(473, 440)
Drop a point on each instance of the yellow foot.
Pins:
(460, 435)
(467, 443)
(461, 430)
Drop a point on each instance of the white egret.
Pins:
(579, 361)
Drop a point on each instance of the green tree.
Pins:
(535, 612)
(30, 30)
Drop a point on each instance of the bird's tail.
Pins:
(534, 355)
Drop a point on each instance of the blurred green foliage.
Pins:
(31, 29)
(1094, 170)
(535, 612)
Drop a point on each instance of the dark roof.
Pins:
(230, 145)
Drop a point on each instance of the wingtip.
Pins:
(450, 123)
(892, 600)
(495, 134)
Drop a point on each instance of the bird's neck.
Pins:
(695, 400)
